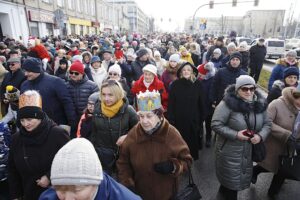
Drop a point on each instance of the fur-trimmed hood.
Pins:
(278, 84)
(288, 98)
(282, 61)
(238, 105)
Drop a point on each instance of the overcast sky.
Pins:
(178, 10)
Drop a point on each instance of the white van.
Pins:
(275, 48)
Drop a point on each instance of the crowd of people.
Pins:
(123, 116)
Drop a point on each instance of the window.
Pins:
(71, 4)
(92, 6)
(47, 1)
(60, 3)
(73, 29)
(78, 5)
(85, 6)
(34, 30)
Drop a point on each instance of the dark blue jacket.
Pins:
(15, 79)
(277, 72)
(223, 78)
(80, 92)
(109, 189)
(57, 102)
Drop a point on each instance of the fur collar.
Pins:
(288, 99)
(282, 61)
(238, 105)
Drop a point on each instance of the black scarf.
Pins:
(39, 134)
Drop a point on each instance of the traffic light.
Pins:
(256, 2)
(234, 2)
(211, 4)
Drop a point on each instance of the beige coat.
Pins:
(283, 114)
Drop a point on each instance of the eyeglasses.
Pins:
(246, 89)
(12, 64)
(74, 73)
(113, 74)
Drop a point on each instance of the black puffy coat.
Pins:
(186, 111)
(223, 78)
(40, 147)
(80, 92)
(106, 131)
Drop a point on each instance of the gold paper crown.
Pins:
(148, 101)
(30, 98)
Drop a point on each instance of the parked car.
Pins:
(292, 43)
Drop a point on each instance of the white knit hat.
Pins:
(175, 58)
(76, 163)
(150, 68)
(115, 68)
(217, 51)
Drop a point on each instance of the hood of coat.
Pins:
(278, 84)
(236, 104)
(288, 99)
(86, 53)
(282, 61)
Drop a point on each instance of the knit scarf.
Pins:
(111, 111)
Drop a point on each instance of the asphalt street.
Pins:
(204, 174)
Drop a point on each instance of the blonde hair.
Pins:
(115, 87)
(192, 77)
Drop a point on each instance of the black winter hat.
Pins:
(236, 55)
(195, 70)
(63, 61)
(32, 65)
(31, 112)
(291, 71)
(141, 52)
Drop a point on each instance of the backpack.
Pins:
(5, 138)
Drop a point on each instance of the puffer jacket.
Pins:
(233, 157)
(80, 92)
(106, 131)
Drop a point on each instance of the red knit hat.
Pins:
(202, 70)
(77, 66)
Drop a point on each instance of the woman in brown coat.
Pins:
(154, 154)
(283, 112)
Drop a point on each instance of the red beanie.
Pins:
(77, 66)
(202, 70)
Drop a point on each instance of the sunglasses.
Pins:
(74, 73)
(109, 83)
(113, 74)
(246, 89)
(12, 64)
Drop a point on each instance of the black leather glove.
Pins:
(166, 167)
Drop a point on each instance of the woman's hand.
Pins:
(240, 135)
(256, 139)
(121, 140)
(43, 181)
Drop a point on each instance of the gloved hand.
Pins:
(166, 167)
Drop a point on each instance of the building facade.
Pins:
(138, 20)
(265, 23)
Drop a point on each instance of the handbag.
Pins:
(190, 192)
(289, 165)
(258, 150)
